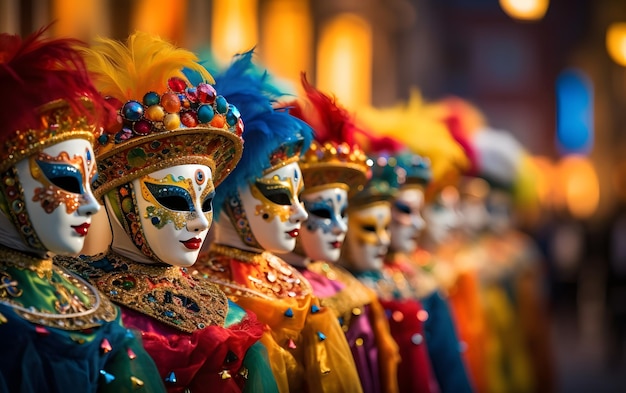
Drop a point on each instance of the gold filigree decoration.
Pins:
(77, 305)
(166, 293)
(271, 277)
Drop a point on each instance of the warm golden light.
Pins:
(234, 28)
(82, 19)
(344, 60)
(580, 184)
(616, 42)
(525, 9)
(163, 18)
(286, 29)
(544, 179)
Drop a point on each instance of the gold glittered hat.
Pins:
(334, 158)
(162, 120)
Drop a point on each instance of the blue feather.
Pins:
(250, 89)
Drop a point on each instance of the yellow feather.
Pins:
(419, 126)
(144, 64)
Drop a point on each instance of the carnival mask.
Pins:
(176, 212)
(273, 209)
(324, 231)
(367, 240)
(56, 185)
(442, 215)
(406, 219)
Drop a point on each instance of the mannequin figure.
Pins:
(58, 332)
(367, 244)
(260, 215)
(168, 147)
(333, 168)
(417, 277)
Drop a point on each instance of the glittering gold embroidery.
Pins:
(271, 277)
(166, 293)
(264, 190)
(71, 312)
(50, 195)
(164, 215)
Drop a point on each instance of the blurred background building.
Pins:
(552, 72)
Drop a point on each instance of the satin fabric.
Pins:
(468, 312)
(444, 348)
(307, 349)
(375, 352)
(37, 358)
(406, 325)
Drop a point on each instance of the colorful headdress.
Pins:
(383, 183)
(273, 138)
(47, 96)
(426, 131)
(334, 159)
(161, 119)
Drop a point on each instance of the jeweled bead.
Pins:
(232, 115)
(170, 102)
(206, 93)
(239, 128)
(177, 84)
(155, 113)
(151, 98)
(221, 105)
(218, 121)
(132, 111)
(205, 113)
(171, 121)
(189, 119)
(142, 127)
(192, 94)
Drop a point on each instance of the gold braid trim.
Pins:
(71, 312)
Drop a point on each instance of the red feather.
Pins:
(35, 71)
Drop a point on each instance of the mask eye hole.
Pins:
(369, 228)
(68, 183)
(277, 195)
(171, 197)
(207, 205)
(64, 176)
(173, 203)
(321, 213)
(402, 208)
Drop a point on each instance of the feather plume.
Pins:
(35, 71)
(421, 128)
(330, 121)
(251, 90)
(143, 64)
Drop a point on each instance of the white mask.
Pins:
(175, 209)
(324, 231)
(442, 215)
(367, 240)
(406, 219)
(475, 215)
(273, 209)
(57, 193)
